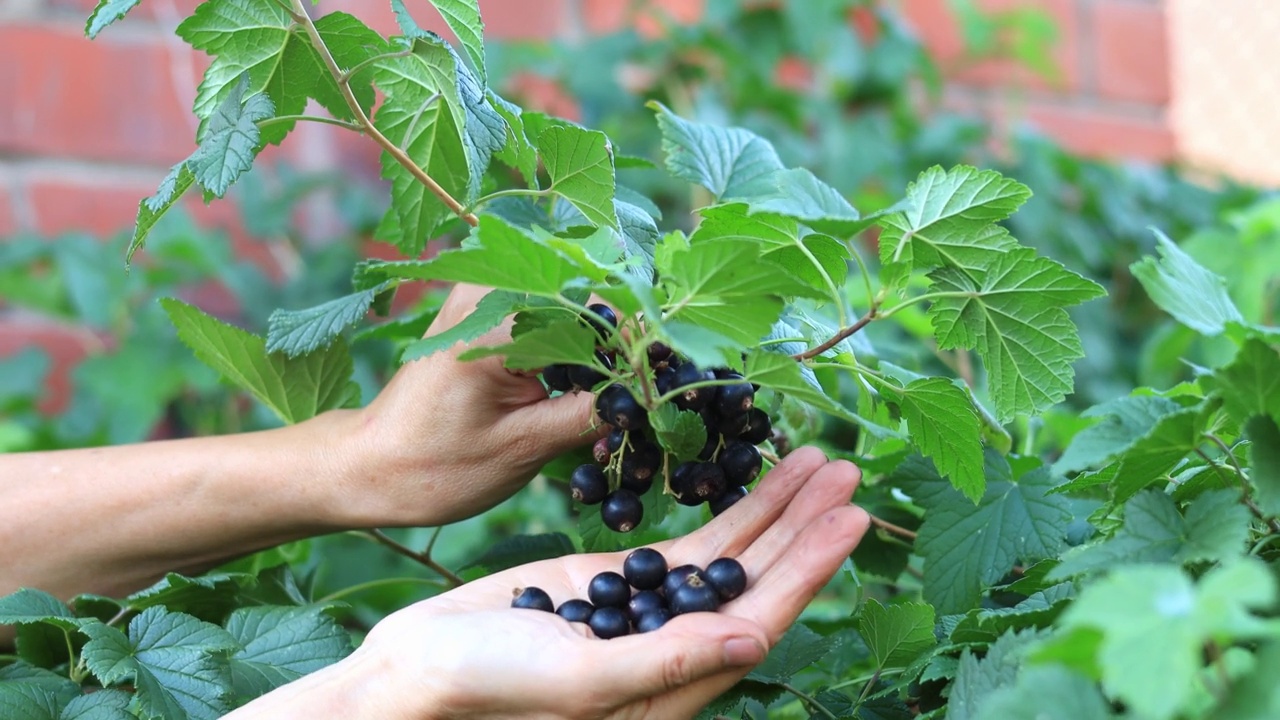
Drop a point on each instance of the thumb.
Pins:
(687, 649)
(551, 427)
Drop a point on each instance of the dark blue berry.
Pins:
(734, 400)
(532, 598)
(658, 354)
(728, 577)
(698, 483)
(609, 622)
(695, 594)
(693, 398)
(758, 427)
(726, 500)
(651, 621)
(741, 462)
(576, 610)
(621, 510)
(606, 312)
(557, 377)
(645, 601)
(676, 576)
(641, 465)
(615, 440)
(644, 569)
(609, 589)
(588, 484)
(664, 380)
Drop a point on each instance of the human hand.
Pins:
(446, 440)
(466, 653)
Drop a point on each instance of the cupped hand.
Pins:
(467, 654)
(446, 439)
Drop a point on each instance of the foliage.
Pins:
(920, 315)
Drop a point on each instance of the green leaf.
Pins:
(680, 432)
(726, 161)
(967, 548)
(294, 389)
(1124, 422)
(29, 605)
(1256, 696)
(281, 644)
(1264, 462)
(231, 141)
(463, 18)
(977, 680)
(151, 209)
(492, 309)
(174, 660)
(1014, 313)
(898, 633)
(298, 332)
(818, 260)
(1174, 437)
(1038, 610)
(99, 705)
(521, 550)
(783, 374)
(639, 238)
(798, 193)
(517, 151)
(799, 648)
(580, 165)
(1216, 527)
(209, 596)
(25, 701)
(1250, 385)
(568, 342)
(1046, 693)
(1183, 288)
(945, 427)
(105, 13)
(1154, 622)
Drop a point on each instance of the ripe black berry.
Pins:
(641, 464)
(645, 601)
(588, 484)
(600, 451)
(693, 398)
(605, 312)
(618, 407)
(732, 427)
(735, 399)
(622, 511)
(609, 589)
(576, 610)
(615, 438)
(645, 569)
(727, 577)
(697, 482)
(665, 381)
(676, 577)
(708, 450)
(758, 427)
(609, 622)
(658, 354)
(586, 377)
(557, 377)
(695, 594)
(532, 598)
(651, 621)
(741, 462)
(726, 501)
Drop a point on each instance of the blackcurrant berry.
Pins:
(600, 451)
(695, 594)
(641, 464)
(758, 427)
(639, 487)
(733, 426)
(741, 462)
(651, 621)
(727, 577)
(622, 511)
(615, 439)
(609, 589)
(557, 377)
(726, 501)
(532, 598)
(664, 380)
(609, 622)
(644, 569)
(735, 399)
(645, 601)
(709, 448)
(604, 398)
(693, 398)
(588, 484)
(698, 484)
(676, 577)
(619, 408)
(658, 354)
(576, 610)
(586, 377)
(609, 316)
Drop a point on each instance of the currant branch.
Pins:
(421, 557)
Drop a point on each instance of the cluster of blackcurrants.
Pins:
(728, 462)
(660, 593)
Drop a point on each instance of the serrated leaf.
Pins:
(208, 596)
(521, 550)
(294, 389)
(99, 705)
(517, 151)
(1046, 693)
(896, 634)
(680, 432)
(1250, 385)
(463, 18)
(1256, 696)
(24, 701)
(105, 13)
(281, 644)
(967, 548)
(298, 332)
(151, 209)
(1124, 422)
(724, 160)
(1014, 313)
(945, 427)
(976, 680)
(639, 238)
(1174, 437)
(798, 193)
(1264, 462)
(231, 140)
(818, 260)
(489, 313)
(26, 674)
(783, 374)
(1037, 611)
(566, 342)
(1183, 288)
(580, 166)
(28, 605)
(173, 660)
(798, 649)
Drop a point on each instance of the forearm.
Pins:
(114, 519)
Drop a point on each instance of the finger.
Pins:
(549, 427)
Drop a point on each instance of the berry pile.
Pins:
(645, 595)
(628, 461)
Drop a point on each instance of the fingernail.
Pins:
(743, 651)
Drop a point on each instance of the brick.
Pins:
(1131, 51)
(1104, 133)
(604, 16)
(503, 19)
(99, 99)
(66, 346)
(937, 27)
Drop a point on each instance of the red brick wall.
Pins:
(87, 128)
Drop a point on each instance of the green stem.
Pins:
(866, 275)
(310, 118)
(836, 297)
(344, 592)
(809, 701)
(925, 297)
(13, 658)
(351, 72)
(863, 679)
(862, 697)
(509, 192)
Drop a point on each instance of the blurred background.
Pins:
(1121, 115)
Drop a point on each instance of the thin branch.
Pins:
(380, 582)
(809, 701)
(381, 537)
(310, 118)
(862, 267)
(431, 544)
(838, 337)
(118, 616)
(862, 697)
(895, 529)
(1244, 483)
(299, 13)
(1244, 490)
(767, 455)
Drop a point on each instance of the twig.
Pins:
(862, 696)
(770, 457)
(895, 529)
(299, 13)
(809, 700)
(309, 118)
(381, 537)
(1245, 497)
(431, 544)
(838, 337)
(118, 616)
